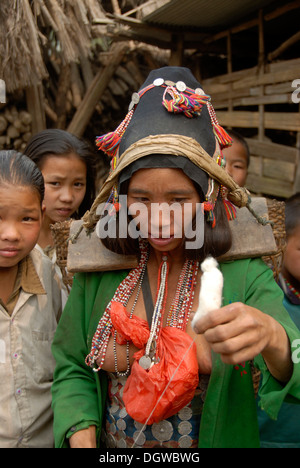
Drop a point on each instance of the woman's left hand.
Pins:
(239, 332)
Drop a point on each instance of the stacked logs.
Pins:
(15, 128)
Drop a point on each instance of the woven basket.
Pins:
(276, 211)
(61, 232)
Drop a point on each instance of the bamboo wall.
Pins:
(240, 99)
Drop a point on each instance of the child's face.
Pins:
(236, 162)
(291, 261)
(20, 223)
(65, 185)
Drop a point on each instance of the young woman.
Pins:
(30, 307)
(130, 366)
(68, 167)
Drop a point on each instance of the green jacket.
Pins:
(229, 417)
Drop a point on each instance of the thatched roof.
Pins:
(30, 29)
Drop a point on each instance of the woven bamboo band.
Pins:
(177, 145)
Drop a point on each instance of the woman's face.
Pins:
(162, 201)
(65, 185)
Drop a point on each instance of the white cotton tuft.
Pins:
(210, 296)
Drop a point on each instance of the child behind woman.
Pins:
(68, 165)
(30, 307)
(285, 431)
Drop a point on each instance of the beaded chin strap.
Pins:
(177, 98)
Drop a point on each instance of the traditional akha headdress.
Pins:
(170, 115)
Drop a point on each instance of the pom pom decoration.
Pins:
(189, 105)
(210, 296)
(110, 142)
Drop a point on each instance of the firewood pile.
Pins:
(15, 128)
(61, 77)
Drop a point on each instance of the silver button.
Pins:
(185, 441)
(169, 83)
(139, 438)
(185, 413)
(135, 98)
(121, 424)
(199, 91)
(184, 428)
(123, 413)
(162, 431)
(181, 86)
(113, 409)
(139, 426)
(158, 82)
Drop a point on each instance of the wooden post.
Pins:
(229, 70)
(261, 107)
(95, 91)
(261, 61)
(35, 106)
(116, 7)
(61, 101)
(176, 58)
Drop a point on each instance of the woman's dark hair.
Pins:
(18, 170)
(217, 241)
(61, 143)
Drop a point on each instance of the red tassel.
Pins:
(221, 135)
(109, 143)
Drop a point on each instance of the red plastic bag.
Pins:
(132, 329)
(167, 386)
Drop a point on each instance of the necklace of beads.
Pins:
(123, 293)
(177, 316)
(292, 289)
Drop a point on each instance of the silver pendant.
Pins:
(145, 362)
(184, 428)
(185, 413)
(162, 431)
(185, 441)
(121, 424)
